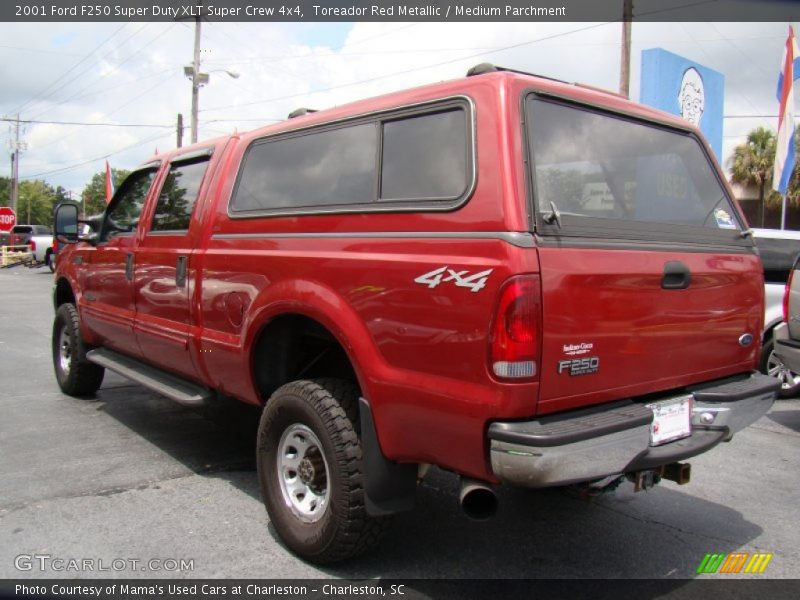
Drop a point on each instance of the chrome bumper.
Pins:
(594, 443)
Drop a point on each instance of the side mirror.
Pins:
(66, 223)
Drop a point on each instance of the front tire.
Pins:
(76, 376)
(310, 470)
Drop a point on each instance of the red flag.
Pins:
(109, 184)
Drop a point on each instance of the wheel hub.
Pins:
(312, 470)
(303, 473)
(65, 350)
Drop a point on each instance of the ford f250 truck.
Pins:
(515, 279)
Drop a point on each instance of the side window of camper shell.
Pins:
(408, 159)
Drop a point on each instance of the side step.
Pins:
(173, 387)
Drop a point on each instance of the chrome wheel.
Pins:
(64, 351)
(776, 368)
(303, 473)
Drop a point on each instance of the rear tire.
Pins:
(773, 366)
(310, 470)
(76, 376)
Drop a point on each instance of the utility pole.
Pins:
(199, 79)
(179, 130)
(11, 183)
(625, 58)
(16, 146)
(195, 77)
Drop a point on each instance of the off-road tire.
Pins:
(329, 409)
(76, 376)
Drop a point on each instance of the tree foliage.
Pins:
(752, 164)
(94, 194)
(5, 191)
(36, 200)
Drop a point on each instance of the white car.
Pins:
(778, 249)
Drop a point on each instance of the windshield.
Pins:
(594, 165)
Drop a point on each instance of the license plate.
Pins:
(672, 420)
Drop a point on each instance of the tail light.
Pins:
(32, 244)
(516, 330)
(786, 295)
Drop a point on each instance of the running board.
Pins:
(177, 389)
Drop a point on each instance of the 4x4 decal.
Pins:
(475, 282)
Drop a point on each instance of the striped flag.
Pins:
(785, 152)
(109, 184)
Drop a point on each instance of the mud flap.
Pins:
(389, 487)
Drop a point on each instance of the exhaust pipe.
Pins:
(477, 499)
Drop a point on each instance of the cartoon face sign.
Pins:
(691, 97)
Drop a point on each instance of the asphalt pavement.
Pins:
(127, 478)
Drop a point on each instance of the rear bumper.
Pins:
(613, 439)
(787, 349)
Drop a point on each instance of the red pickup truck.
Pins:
(515, 279)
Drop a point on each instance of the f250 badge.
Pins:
(579, 366)
(475, 282)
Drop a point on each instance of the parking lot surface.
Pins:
(130, 476)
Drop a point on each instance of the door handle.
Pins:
(180, 272)
(129, 266)
(677, 276)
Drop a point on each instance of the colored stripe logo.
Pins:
(736, 562)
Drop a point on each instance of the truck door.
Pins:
(107, 304)
(164, 280)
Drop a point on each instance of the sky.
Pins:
(130, 75)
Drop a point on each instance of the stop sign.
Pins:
(7, 219)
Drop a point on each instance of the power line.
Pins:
(130, 101)
(413, 70)
(79, 92)
(750, 116)
(70, 70)
(41, 50)
(91, 160)
(87, 124)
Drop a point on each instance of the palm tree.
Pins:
(752, 163)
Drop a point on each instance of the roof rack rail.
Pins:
(490, 68)
(299, 112)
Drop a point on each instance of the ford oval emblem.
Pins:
(745, 340)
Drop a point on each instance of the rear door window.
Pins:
(179, 195)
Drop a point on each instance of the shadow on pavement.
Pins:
(663, 533)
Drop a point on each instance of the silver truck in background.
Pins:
(778, 250)
(787, 333)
